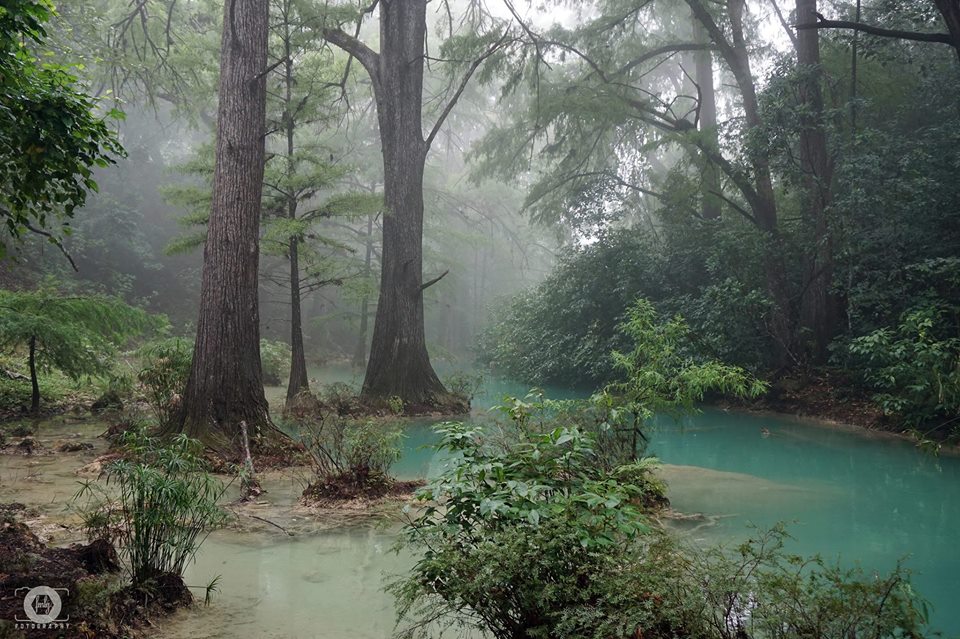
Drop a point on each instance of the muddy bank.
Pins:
(73, 592)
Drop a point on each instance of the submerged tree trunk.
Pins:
(399, 364)
(34, 381)
(225, 386)
(818, 305)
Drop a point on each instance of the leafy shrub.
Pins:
(915, 366)
(357, 455)
(463, 384)
(165, 367)
(395, 404)
(533, 540)
(513, 535)
(157, 504)
(275, 359)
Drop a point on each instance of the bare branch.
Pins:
(369, 58)
(784, 23)
(823, 23)
(463, 85)
(55, 241)
(430, 283)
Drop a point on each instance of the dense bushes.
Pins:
(563, 330)
(536, 539)
(914, 367)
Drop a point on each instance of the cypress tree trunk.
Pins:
(819, 305)
(225, 385)
(298, 381)
(710, 174)
(950, 10)
(34, 382)
(399, 364)
(360, 351)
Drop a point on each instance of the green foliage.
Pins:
(51, 140)
(164, 369)
(463, 384)
(915, 366)
(661, 373)
(275, 359)
(157, 503)
(764, 591)
(511, 536)
(76, 335)
(563, 330)
(534, 539)
(356, 453)
(395, 404)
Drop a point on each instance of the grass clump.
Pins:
(157, 504)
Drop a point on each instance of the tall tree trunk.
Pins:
(710, 173)
(34, 381)
(399, 364)
(360, 351)
(950, 10)
(758, 191)
(225, 385)
(298, 381)
(818, 304)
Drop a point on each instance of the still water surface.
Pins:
(845, 494)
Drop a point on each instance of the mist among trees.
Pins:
(256, 235)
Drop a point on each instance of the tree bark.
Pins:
(299, 381)
(759, 190)
(818, 304)
(950, 10)
(34, 381)
(399, 364)
(225, 386)
(360, 351)
(710, 187)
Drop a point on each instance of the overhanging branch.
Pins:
(917, 36)
(460, 89)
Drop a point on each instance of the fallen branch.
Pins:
(249, 486)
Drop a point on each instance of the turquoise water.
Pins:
(844, 493)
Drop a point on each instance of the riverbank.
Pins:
(833, 400)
